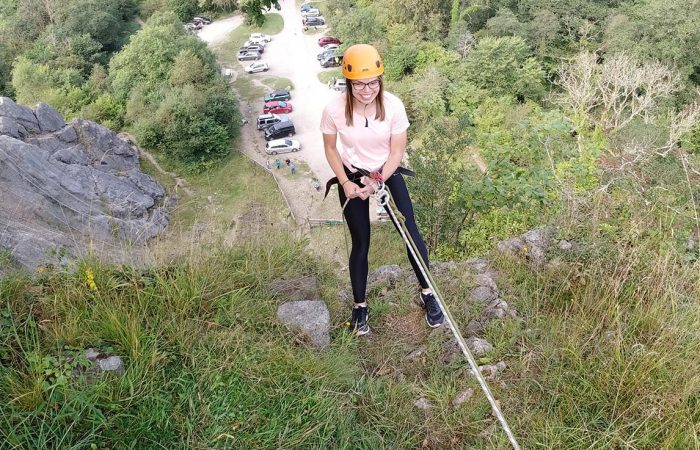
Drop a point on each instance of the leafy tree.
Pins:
(403, 44)
(149, 57)
(105, 110)
(504, 66)
(476, 16)
(432, 54)
(175, 101)
(5, 73)
(253, 10)
(360, 25)
(434, 155)
(187, 132)
(666, 31)
(544, 31)
(188, 68)
(184, 9)
(102, 21)
(59, 88)
(505, 23)
(427, 95)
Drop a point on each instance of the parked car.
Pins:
(253, 48)
(259, 42)
(282, 146)
(325, 40)
(280, 130)
(331, 47)
(338, 84)
(248, 56)
(266, 120)
(257, 67)
(201, 19)
(193, 26)
(332, 61)
(277, 107)
(328, 53)
(260, 37)
(311, 12)
(313, 21)
(277, 94)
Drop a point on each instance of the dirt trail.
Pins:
(179, 182)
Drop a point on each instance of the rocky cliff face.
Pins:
(63, 186)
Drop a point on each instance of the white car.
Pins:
(330, 47)
(257, 67)
(338, 85)
(311, 12)
(260, 37)
(259, 42)
(282, 146)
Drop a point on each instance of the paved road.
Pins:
(218, 30)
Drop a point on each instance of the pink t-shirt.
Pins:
(365, 147)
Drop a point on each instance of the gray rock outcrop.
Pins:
(311, 317)
(65, 185)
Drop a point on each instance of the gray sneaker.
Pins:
(433, 313)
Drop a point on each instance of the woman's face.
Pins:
(365, 91)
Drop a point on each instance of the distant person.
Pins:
(287, 161)
(267, 165)
(278, 164)
(293, 167)
(371, 125)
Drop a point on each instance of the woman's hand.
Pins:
(351, 190)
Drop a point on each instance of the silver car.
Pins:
(282, 146)
(246, 56)
(257, 67)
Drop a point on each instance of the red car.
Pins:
(325, 40)
(277, 107)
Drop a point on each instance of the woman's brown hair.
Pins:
(379, 113)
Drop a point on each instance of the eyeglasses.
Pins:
(359, 85)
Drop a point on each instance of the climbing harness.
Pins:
(384, 199)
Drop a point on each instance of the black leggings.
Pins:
(357, 218)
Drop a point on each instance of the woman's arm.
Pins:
(397, 148)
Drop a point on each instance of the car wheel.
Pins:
(273, 152)
(295, 149)
(265, 69)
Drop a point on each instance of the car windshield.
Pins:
(282, 104)
(288, 142)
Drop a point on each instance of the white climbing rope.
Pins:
(384, 199)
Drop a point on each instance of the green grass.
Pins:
(246, 88)
(325, 76)
(278, 82)
(604, 354)
(235, 193)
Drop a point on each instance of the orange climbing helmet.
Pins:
(362, 61)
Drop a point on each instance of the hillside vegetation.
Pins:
(582, 117)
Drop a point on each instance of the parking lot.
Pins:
(292, 54)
